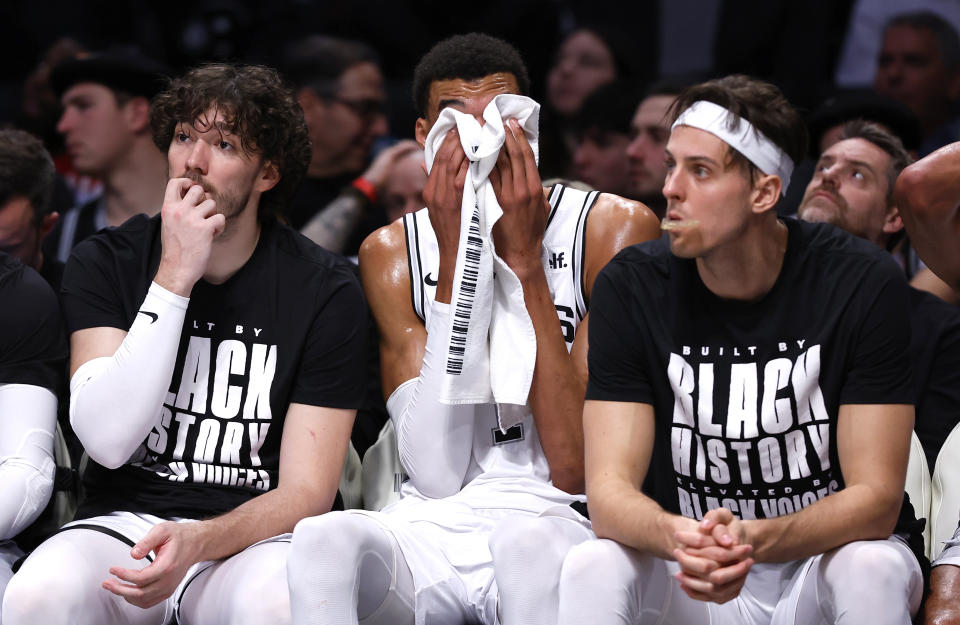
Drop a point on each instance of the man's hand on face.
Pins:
(518, 235)
(715, 559)
(443, 195)
(190, 223)
(176, 546)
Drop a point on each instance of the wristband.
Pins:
(365, 187)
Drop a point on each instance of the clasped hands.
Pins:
(714, 556)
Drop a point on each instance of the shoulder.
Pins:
(35, 301)
(620, 222)
(132, 237)
(297, 255)
(383, 256)
(835, 249)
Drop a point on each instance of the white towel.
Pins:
(490, 322)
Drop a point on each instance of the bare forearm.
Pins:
(332, 226)
(620, 512)
(557, 391)
(270, 514)
(855, 513)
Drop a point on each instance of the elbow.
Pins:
(882, 524)
(26, 490)
(105, 451)
(569, 479)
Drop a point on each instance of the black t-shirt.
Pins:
(288, 327)
(33, 346)
(935, 360)
(746, 395)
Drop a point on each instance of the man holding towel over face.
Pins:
(478, 298)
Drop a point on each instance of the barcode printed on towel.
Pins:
(468, 290)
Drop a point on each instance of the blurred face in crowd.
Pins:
(849, 189)
(649, 132)
(910, 69)
(344, 126)
(97, 130)
(599, 160)
(403, 188)
(583, 63)
(20, 233)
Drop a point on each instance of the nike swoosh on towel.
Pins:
(429, 280)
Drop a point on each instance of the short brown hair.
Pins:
(886, 141)
(26, 170)
(760, 103)
(257, 107)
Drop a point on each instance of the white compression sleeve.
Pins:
(115, 401)
(28, 416)
(434, 439)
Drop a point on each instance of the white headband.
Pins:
(747, 139)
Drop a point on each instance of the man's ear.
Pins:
(892, 221)
(137, 112)
(47, 223)
(766, 193)
(420, 131)
(268, 178)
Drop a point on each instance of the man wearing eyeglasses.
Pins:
(340, 88)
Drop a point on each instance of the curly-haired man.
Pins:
(216, 368)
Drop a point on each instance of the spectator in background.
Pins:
(602, 131)
(919, 65)
(403, 187)
(853, 189)
(649, 131)
(588, 58)
(106, 126)
(340, 88)
(27, 178)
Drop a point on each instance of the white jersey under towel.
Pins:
(512, 463)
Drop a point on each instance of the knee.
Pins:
(882, 567)
(527, 539)
(595, 564)
(332, 538)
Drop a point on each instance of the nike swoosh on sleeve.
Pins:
(153, 316)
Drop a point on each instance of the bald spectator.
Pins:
(106, 128)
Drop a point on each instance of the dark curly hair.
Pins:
(467, 57)
(256, 106)
(758, 102)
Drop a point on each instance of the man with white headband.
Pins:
(749, 404)
(466, 542)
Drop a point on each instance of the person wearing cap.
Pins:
(106, 128)
(749, 401)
